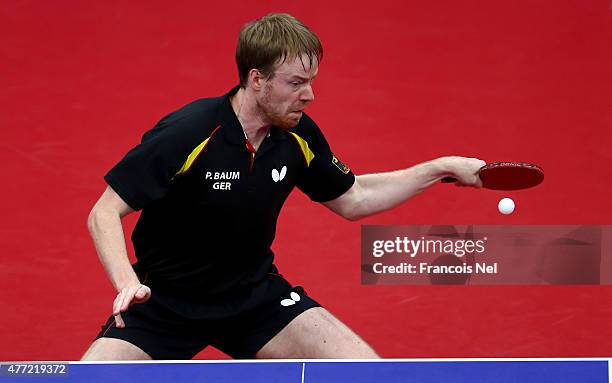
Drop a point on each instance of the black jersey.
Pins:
(209, 205)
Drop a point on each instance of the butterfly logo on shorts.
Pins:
(288, 302)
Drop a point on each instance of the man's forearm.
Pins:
(384, 191)
(107, 233)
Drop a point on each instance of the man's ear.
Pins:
(256, 79)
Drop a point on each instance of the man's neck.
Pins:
(250, 117)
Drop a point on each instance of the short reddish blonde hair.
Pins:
(273, 39)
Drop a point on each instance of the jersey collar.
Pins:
(230, 126)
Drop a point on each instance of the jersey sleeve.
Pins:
(146, 171)
(326, 177)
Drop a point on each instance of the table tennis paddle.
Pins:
(508, 175)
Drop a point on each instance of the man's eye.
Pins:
(295, 83)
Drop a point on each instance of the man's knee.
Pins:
(114, 349)
(349, 344)
(317, 334)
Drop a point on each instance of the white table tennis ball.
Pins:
(506, 206)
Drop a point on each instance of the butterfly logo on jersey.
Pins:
(291, 301)
(278, 176)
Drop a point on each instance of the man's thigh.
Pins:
(114, 349)
(316, 334)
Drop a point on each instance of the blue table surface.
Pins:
(540, 371)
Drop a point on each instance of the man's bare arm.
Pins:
(374, 193)
(104, 224)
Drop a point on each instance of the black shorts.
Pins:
(171, 326)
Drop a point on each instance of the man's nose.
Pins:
(308, 93)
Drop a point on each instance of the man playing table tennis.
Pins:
(210, 179)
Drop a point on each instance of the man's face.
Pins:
(288, 91)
